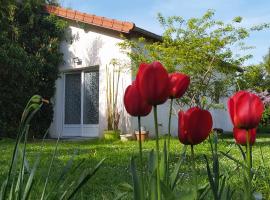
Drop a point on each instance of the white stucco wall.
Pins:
(95, 47)
(221, 119)
(98, 47)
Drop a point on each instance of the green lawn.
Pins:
(115, 169)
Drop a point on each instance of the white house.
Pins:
(80, 98)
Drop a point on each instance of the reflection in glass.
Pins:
(91, 98)
(73, 99)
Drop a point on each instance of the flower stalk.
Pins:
(169, 124)
(157, 152)
(249, 166)
(140, 149)
(169, 136)
(195, 180)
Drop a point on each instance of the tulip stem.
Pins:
(140, 148)
(195, 181)
(157, 152)
(140, 139)
(249, 165)
(169, 135)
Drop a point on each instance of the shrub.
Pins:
(29, 59)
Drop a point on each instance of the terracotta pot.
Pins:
(144, 135)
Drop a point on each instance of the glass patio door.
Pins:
(81, 104)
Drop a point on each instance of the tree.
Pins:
(200, 47)
(29, 59)
(254, 78)
(266, 62)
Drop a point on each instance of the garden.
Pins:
(191, 68)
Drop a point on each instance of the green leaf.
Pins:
(121, 195)
(203, 191)
(2, 189)
(125, 187)
(29, 183)
(175, 174)
(84, 178)
(153, 186)
(222, 184)
(233, 159)
(163, 164)
(242, 151)
(49, 170)
(137, 185)
(151, 162)
(210, 178)
(167, 192)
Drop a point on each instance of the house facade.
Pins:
(80, 101)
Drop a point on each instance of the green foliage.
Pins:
(265, 117)
(115, 169)
(111, 135)
(21, 175)
(199, 47)
(266, 62)
(112, 86)
(254, 78)
(29, 59)
(219, 183)
(170, 178)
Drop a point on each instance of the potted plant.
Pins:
(113, 115)
(111, 134)
(144, 134)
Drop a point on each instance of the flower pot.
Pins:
(144, 135)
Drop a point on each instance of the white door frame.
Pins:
(78, 130)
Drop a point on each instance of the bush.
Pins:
(29, 59)
(112, 135)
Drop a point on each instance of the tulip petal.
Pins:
(194, 126)
(134, 103)
(231, 109)
(248, 109)
(199, 125)
(178, 84)
(240, 136)
(154, 84)
(182, 132)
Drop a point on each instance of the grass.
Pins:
(115, 169)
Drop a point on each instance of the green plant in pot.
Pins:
(111, 134)
(113, 114)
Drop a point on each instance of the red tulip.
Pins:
(134, 103)
(245, 110)
(178, 84)
(240, 136)
(194, 125)
(153, 81)
(140, 71)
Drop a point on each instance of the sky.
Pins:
(144, 14)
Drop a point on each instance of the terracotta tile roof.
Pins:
(116, 25)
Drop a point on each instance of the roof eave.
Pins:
(146, 33)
